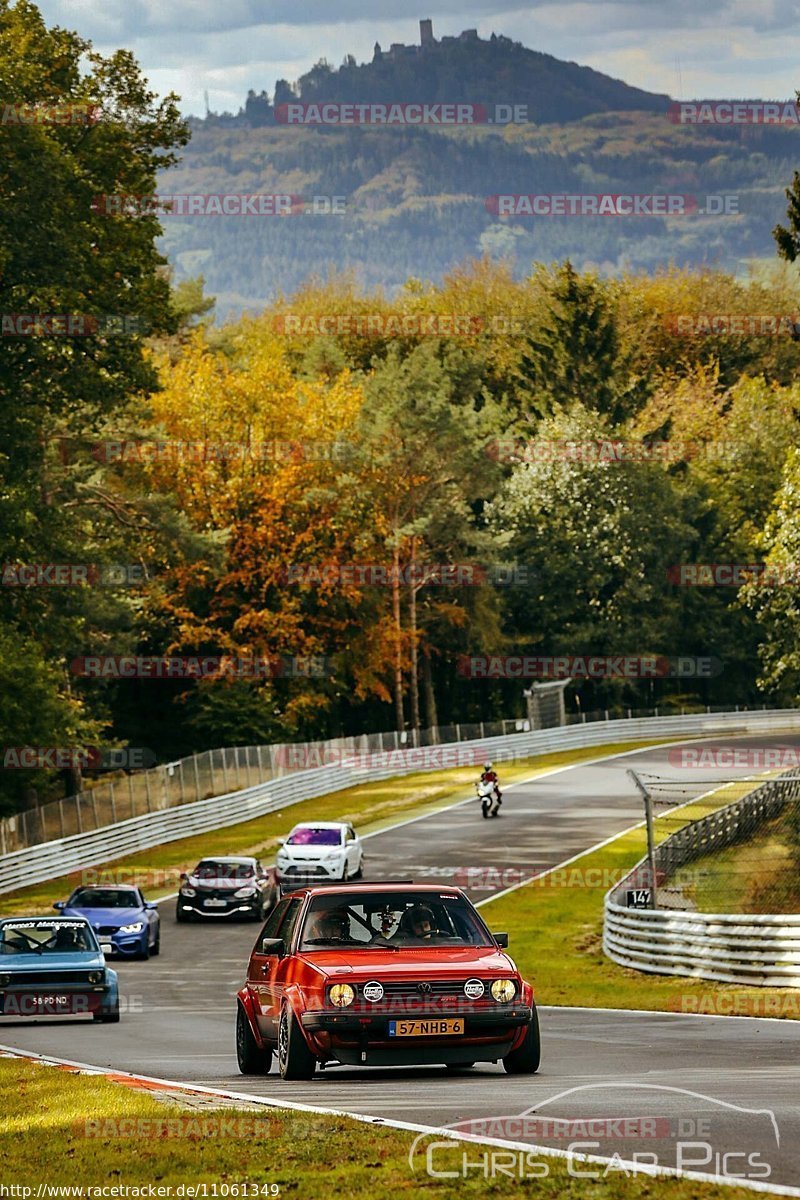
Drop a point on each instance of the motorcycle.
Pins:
(489, 797)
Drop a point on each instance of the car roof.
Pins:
(107, 887)
(321, 825)
(349, 889)
(227, 858)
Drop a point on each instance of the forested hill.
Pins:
(466, 69)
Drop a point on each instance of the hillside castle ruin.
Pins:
(426, 42)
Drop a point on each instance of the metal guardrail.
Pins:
(756, 949)
(60, 856)
(200, 776)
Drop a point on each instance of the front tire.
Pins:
(526, 1058)
(180, 916)
(485, 809)
(107, 1018)
(156, 950)
(252, 1059)
(295, 1060)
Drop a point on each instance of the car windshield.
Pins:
(212, 868)
(46, 937)
(392, 919)
(104, 898)
(307, 835)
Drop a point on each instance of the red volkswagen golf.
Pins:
(378, 975)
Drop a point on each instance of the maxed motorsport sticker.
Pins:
(50, 923)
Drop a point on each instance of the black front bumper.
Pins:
(363, 1040)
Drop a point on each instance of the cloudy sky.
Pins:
(718, 48)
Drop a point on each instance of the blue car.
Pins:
(54, 967)
(124, 922)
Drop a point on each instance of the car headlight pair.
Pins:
(343, 994)
(136, 927)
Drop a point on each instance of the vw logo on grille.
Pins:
(424, 988)
(373, 991)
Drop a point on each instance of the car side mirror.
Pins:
(59, 904)
(272, 946)
(501, 939)
(184, 877)
(150, 904)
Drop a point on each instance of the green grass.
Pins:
(46, 1113)
(555, 927)
(370, 806)
(756, 876)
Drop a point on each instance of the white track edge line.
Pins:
(386, 1122)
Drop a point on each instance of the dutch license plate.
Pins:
(214, 903)
(433, 1027)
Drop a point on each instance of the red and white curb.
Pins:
(154, 1084)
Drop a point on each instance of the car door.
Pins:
(353, 851)
(148, 916)
(261, 968)
(282, 970)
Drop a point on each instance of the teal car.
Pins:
(54, 967)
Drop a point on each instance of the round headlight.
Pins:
(5, 980)
(341, 994)
(504, 990)
(95, 977)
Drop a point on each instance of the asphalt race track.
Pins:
(695, 1076)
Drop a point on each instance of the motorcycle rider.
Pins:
(490, 776)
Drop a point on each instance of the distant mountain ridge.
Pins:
(464, 69)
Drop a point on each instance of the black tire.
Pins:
(359, 874)
(295, 1060)
(251, 1058)
(108, 1018)
(526, 1058)
(156, 949)
(143, 955)
(181, 916)
(485, 809)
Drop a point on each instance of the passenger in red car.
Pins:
(332, 926)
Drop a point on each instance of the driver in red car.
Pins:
(417, 923)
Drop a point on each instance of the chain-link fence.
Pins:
(743, 857)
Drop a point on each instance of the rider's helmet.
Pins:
(487, 766)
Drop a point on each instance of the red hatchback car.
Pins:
(378, 975)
